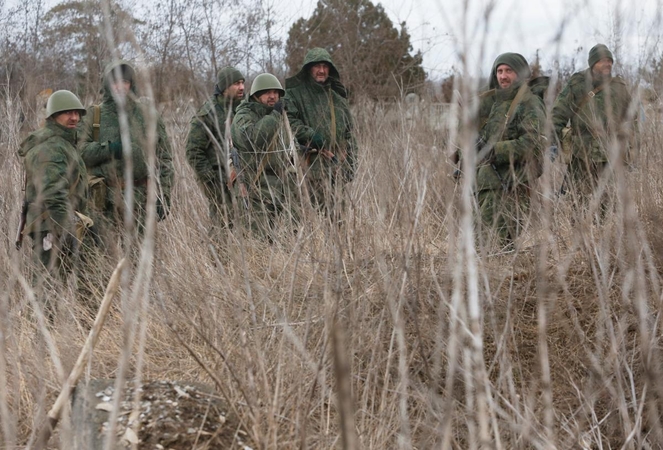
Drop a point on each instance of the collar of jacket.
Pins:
(68, 134)
(508, 93)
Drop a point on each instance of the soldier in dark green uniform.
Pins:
(510, 147)
(56, 186)
(590, 113)
(267, 167)
(104, 151)
(206, 147)
(320, 118)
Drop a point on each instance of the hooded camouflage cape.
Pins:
(101, 160)
(259, 135)
(518, 147)
(595, 118)
(321, 109)
(56, 184)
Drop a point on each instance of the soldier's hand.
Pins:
(115, 149)
(279, 107)
(317, 141)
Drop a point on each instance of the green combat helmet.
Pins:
(265, 82)
(63, 100)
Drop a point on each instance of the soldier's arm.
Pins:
(254, 136)
(563, 109)
(529, 142)
(303, 134)
(92, 152)
(53, 184)
(164, 156)
(198, 140)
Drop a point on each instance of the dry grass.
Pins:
(556, 345)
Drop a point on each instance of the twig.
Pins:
(44, 434)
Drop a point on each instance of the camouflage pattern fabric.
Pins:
(206, 154)
(101, 161)
(259, 135)
(312, 109)
(515, 160)
(594, 119)
(56, 187)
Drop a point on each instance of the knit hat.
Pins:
(227, 77)
(514, 60)
(597, 53)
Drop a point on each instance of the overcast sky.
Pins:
(442, 30)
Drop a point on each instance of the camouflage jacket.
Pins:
(321, 108)
(258, 133)
(593, 118)
(517, 149)
(56, 179)
(100, 160)
(205, 143)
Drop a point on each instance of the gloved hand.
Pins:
(162, 210)
(115, 149)
(318, 141)
(279, 107)
(553, 152)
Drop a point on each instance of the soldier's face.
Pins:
(68, 119)
(121, 88)
(235, 91)
(320, 72)
(506, 76)
(603, 68)
(269, 97)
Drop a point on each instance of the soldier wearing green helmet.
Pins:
(259, 133)
(208, 144)
(106, 149)
(55, 186)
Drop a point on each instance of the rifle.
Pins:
(234, 158)
(21, 224)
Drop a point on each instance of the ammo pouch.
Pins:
(98, 192)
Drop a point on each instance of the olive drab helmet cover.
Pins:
(265, 82)
(63, 100)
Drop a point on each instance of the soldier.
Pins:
(320, 119)
(104, 151)
(510, 146)
(259, 134)
(206, 144)
(596, 105)
(56, 186)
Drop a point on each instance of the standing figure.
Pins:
(107, 149)
(266, 166)
(589, 115)
(510, 147)
(208, 143)
(56, 186)
(320, 118)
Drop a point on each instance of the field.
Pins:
(393, 329)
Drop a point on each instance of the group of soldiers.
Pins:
(253, 158)
(592, 123)
(256, 157)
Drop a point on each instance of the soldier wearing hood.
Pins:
(590, 112)
(510, 147)
(103, 149)
(206, 146)
(56, 185)
(320, 118)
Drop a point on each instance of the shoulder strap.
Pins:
(588, 97)
(512, 108)
(96, 122)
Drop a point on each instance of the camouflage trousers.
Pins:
(503, 214)
(583, 180)
(272, 202)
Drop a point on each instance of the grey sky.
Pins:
(631, 28)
